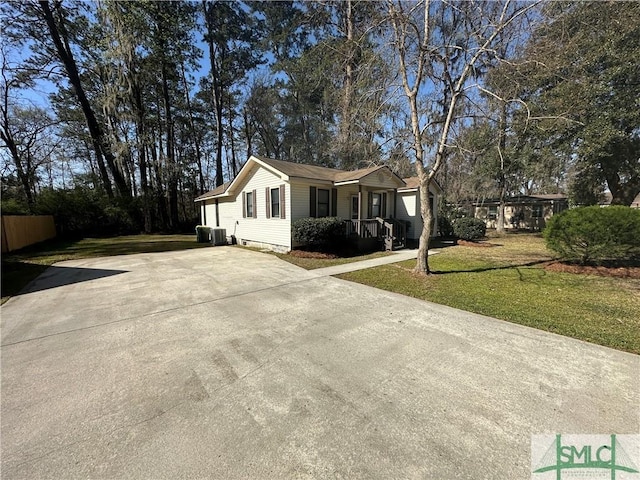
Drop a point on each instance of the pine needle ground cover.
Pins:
(509, 281)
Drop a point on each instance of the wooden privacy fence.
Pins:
(21, 231)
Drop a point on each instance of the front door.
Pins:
(354, 207)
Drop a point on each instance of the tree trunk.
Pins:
(422, 261)
(172, 180)
(159, 199)
(217, 98)
(141, 133)
(100, 144)
(346, 127)
(247, 132)
(502, 179)
(7, 138)
(234, 165)
(622, 193)
(192, 128)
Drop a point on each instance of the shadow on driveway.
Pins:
(59, 276)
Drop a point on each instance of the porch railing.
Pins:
(394, 233)
(368, 228)
(390, 231)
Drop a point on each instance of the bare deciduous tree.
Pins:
(441, 49)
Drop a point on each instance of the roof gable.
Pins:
(413, 183)
(289, 170)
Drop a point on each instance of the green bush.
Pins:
(318, 232)
(595, 234)
(12, 206)
(469, 228)
(81, 212)
(445, 227)
(447, 216)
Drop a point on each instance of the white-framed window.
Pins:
(275, 202)
(323, 202)
(493, 212)
(537, 211)
(376, 205)
(249, 204)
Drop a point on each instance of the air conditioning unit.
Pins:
(219, 236)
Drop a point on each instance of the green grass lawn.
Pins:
(313, 263)
(509, 281)
(19, 268)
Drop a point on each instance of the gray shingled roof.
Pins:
(216, 191)
(314, 172)
(301, 170)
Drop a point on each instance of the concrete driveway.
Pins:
(225, 363)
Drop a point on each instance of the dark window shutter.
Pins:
(268, 201)
(369, 204)
(283, 202)
(334, 202)
(244, 204)
(255, 204)
(384, 205)
(312, 201)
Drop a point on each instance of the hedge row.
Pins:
(595, 234)
(318, 232)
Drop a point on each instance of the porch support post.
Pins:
(359, 206)
(395, 201)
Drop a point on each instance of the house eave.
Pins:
(313, 180)
(347, 182)
(213, 197)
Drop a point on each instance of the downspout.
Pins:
(217, 214)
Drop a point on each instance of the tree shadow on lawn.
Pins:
(488, 269)
(133, 247)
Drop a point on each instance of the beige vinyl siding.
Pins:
(259, 230)
(299, 200)
(226, 213)
(300, 192)
(408, 210)
(379, 180)
(229, 211)
(344, 201)
(209, 218)
(273, 231)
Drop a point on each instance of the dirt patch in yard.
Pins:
(308, 254)
(603, 271)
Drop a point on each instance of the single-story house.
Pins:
(523, 211)
(259, 205)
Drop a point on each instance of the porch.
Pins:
(369, 234)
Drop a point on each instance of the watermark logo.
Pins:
(564, 457)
